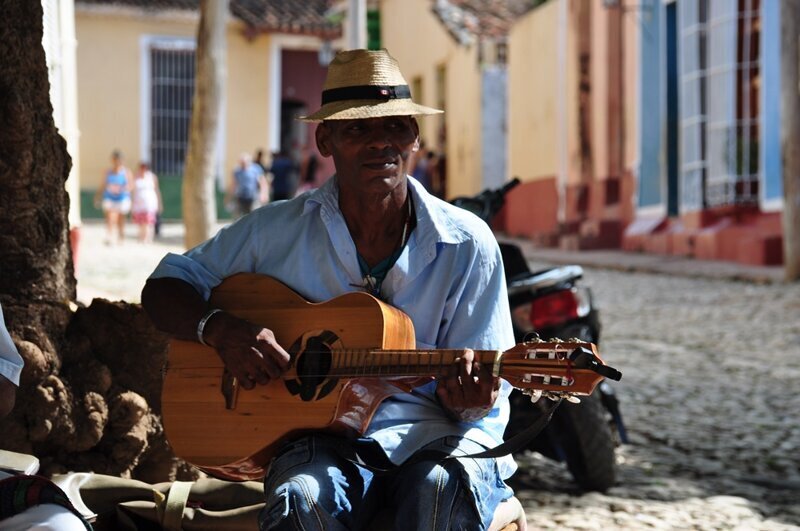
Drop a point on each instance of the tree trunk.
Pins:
(36, 276)
(790, 135)
(199, 198)
(90, 377)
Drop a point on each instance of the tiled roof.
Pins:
(274, 16)
(286, 16)
(467, 19)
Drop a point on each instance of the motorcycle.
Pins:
(551, 303)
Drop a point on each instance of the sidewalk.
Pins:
(649, 263)
(118, 272)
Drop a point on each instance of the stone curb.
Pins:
(650, 263)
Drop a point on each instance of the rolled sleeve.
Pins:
(183, 267)
(231, 251)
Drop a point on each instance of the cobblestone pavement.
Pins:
(710, 373)
(710, 370)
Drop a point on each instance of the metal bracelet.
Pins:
(202, 325)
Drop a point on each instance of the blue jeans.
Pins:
(312, 487)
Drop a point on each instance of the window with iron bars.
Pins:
(719, 102)
(172, 89)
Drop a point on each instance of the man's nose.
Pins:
(379, 138)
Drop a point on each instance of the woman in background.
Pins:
(116, 197)
(147, 203)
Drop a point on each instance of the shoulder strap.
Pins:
(514, 444)
(378, 463)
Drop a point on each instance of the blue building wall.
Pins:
(771, 167)
(651, 104)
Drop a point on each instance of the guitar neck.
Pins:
(396, 363)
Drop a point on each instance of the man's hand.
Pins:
(250, 352)
(468, 390)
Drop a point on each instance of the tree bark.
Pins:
(36, 276)
(790, 135)
(199, 205)
(90, 377)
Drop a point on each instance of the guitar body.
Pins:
(202, 428)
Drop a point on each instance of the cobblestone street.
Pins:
(710, 373)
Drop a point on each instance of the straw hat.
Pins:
(365, 84)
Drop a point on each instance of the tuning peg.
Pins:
(532, 337)
(572, 398)
(534, 394)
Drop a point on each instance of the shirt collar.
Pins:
(432, 224)
(434, 228)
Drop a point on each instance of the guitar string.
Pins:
(362, 368)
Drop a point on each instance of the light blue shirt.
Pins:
(448, 279)
(10, 361)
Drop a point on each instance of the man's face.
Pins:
(371, 154)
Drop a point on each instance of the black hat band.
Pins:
(366, 92)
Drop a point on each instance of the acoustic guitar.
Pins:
(347, 355)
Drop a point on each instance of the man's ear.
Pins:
(415, 127)
(323, 138)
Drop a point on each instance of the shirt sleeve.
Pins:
(233, 250)
(479, 313)
(10, 361)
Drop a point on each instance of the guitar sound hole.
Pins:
(313, 364)
(315, 361)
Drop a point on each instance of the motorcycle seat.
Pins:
(546, 278)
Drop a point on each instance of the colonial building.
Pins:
(648, 125)
(572, 123)
(709, 161)
(453, 54)
(135, 62)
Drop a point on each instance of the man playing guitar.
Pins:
(371, 227)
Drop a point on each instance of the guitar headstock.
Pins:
(555, 367)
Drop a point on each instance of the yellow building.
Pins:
(452, 55)
(135, 69)
(572, 122)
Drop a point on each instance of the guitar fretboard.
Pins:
(390, 363)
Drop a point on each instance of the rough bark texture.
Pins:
(199, 200)
(36, 277)
(92, 377)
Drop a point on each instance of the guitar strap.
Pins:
(367, 455)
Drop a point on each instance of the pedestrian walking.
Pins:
(147, 202)
(114, 197)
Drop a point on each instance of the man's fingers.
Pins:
(270, 348)
(243, 377)
(484, 377)
(273, 367)
(452, 385)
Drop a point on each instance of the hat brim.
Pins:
(361, 109)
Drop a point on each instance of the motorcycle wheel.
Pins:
(582, 433)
